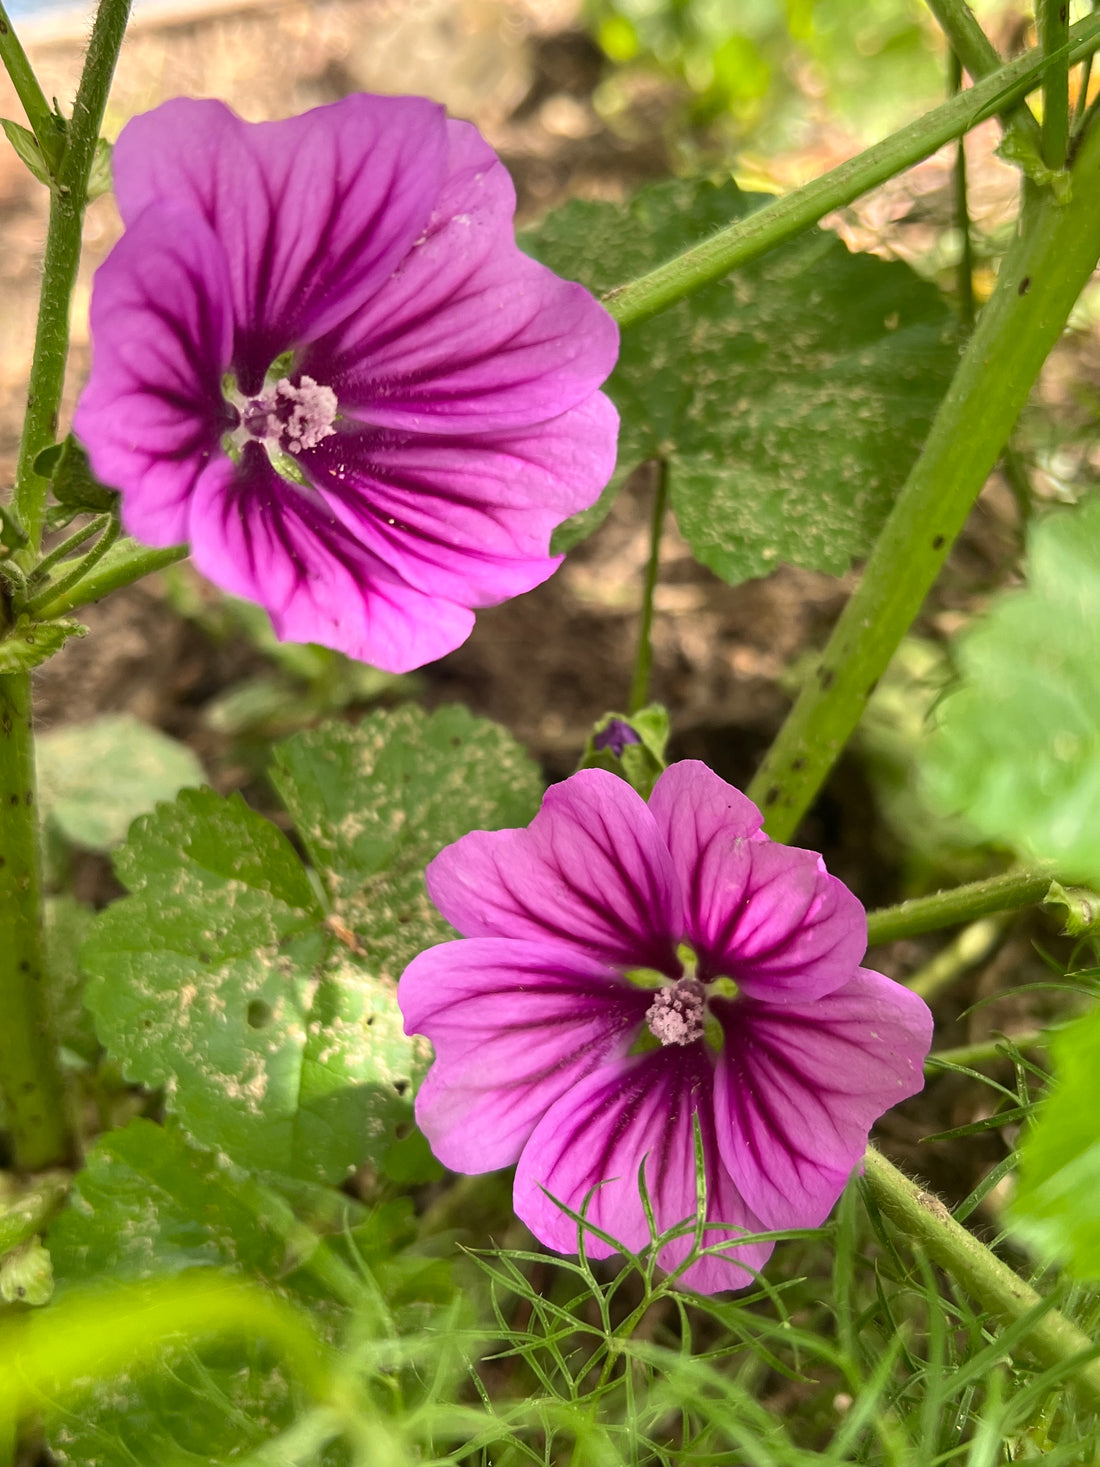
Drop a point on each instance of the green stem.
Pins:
(986, 1050)
(67, 546)
(777, 222)
(1040, 279)
(78, 573)
(124, 563)
(33, 1210)
(960, 904)
(1052, 19)
(639, 687)
(974, 944)
(62, 257)
(30, 1080)
(979, 56)
(965, 274)
(1053, 1340)
(44, 123)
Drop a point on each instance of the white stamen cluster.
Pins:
(677, 1014)
(311, 418)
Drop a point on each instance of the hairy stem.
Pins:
(639, 687)
(62, 256)
(965, 275)
(44, 123)
(960, 904)
(1053, 1340)
(985, 1051)
(121, 565)
(773, 225)
(1038, 285)
(74, 575)
(1052, 17)
(30, 1080)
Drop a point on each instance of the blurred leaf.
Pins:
(30, 643)
(97, 777)
(1057, 1208)
(1017, 748)
(26, 145)
(99, 179)
(12, 534)
(67, 924)
(789, 399)
(271, 1020)
(74, 485)
(26, 1275)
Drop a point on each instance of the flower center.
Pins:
(290, 417)
(677, 1014)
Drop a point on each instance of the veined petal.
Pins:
(598, 1135)
(591, 870)
(258, 536)
(799, 1085)
(152, 414)
(514, 1026)
(469, 335)
(772, 918)
(468, 518)
(313, 212)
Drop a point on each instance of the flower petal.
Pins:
(258, 536)
(798, 1087)
(469, 334)
(152, 413)
(514, 1026)
(314, 212)
(598, 1135)
(591, 870)
(471, 518)
(772, 918)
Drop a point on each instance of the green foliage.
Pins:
(29, 643)
(74, 486)
(1057, 1208)
(267, 1012)
(96, 778)
(1017, 748)
(789, 399)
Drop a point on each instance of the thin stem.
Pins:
(78, 572)
(30, 1080)
(965, 272)
(985, 1051)
(62, 256)
(971, 947)
(639, 687)
(980, 57)
(124, 563)
(1053, 1340)
(1040, 279)
(1052, 20)
(44, 123)
(72, 542)
(959, 904)
(765, 228)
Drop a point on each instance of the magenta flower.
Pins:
(627, 968)
(320, 358)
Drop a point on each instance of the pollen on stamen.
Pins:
(677, 1014)
(313, 415)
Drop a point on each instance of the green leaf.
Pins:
(99, 179)
(1017, 748)
(273, 1023)
(26, 145)
(30, 643)
(97, 777)
(67, 925)
(12, 534)
(1057, 1207)
(789, 399)
(73, 483)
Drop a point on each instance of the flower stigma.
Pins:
(286, 418)
(677, 1014)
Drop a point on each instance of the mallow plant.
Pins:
(260, 1113)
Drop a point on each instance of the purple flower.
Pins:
(627, 968)
(615, 737)
(320, 358)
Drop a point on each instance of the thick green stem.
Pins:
(62, 256)
(960, 904)
(1052, 17)
(44, 124)
(1053, 1340)
(1038, 285)
(772, 225)
(30, 1080)
(124, 563)
(639, 687)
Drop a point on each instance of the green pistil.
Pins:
(647, 978)
(722, 988)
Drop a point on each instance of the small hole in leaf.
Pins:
(401, 1086)
(259, 1014)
